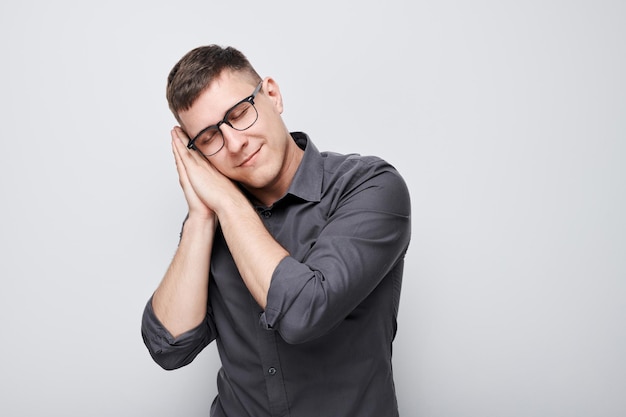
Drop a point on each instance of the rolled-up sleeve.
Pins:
(364, 238)
(169, 352)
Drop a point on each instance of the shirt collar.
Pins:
(307, 183)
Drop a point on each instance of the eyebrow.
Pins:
(254, 93)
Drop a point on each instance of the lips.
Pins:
(248, 158)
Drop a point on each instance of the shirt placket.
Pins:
(268, 350)
(272, 370)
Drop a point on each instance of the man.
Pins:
(290, 259)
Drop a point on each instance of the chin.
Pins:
(260, 179)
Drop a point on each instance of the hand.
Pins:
(196, 206)
(204, 186)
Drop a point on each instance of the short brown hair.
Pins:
(193, 73)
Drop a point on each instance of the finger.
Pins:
(187, 155)
(184, 160)
(183, 178)
(180, 165)
(181, 135)
(178, 141)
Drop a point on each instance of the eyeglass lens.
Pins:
(240, 117)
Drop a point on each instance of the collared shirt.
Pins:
(322, 346)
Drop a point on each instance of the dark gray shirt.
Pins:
(322, 347)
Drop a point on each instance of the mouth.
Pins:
(249, 159)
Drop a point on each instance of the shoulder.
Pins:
(370, 177)
(355, 167)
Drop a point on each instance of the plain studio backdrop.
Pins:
(506, 118)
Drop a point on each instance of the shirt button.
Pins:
(267, 214)
(271, 371)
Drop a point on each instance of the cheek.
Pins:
(219, 164)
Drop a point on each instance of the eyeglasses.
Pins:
(240, 117)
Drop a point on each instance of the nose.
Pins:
(234, 140)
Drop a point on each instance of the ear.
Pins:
(272, 91)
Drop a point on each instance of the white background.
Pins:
(507, 119)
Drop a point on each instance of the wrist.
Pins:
(231, 203)
(201, 220)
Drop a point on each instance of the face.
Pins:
(263, 158)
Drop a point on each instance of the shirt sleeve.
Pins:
(366, 235)
(169, 352)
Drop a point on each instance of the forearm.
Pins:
(180, 300)
(255, 251)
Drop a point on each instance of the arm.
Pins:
(363, 242)
(180, 300)
(255, 252)
(175, 324)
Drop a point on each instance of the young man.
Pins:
(290, 259)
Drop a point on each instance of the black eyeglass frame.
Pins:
(249, 99)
